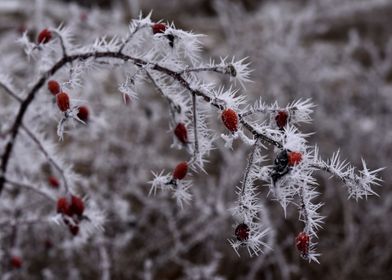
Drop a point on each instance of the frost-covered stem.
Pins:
(62, 44)
(172, 105)
(10, 92)
(249, 166)
(253, 111)
(304, 210)
(257, 134)
(358, 184)
(107, 54)
(25, 222)
(194, 113)
(46, 154)
(130, 36)
(217, 69)
(26, 186)
(105, 262)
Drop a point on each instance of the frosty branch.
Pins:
(168, 57)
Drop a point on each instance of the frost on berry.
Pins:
(53, 87)
(62, 101)
(230, 119)
(281, 119)
(242, 232)
(180, 171)
(83, 113)
(294, 158)
(181, 133)
(44, 36)
(159, 28)
(53, 182)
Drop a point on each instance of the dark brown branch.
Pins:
(96, 55)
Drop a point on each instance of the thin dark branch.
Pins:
(172, 105)
(196, 137)
(50, 159)
(130, 36)
(10, 92)
(97, 55)
(29, 187)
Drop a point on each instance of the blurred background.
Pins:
(336, 52)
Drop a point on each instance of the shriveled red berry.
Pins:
(44, 36)
(62, 101)
(16, 262)
(302, 242)
(83, 113)
(230, 119)
(281, 119)
(53, 87)
(181, 133)
(294, 158)
(158, 28)
(73, 229)
(180, 171)
(73, 207)
(242, 232)
(53, 182)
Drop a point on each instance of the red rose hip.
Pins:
(294, 158)
(70, 207)
(44, 36)
(83, 113)
(62, 101)
(53, 182)
(180, 171)
(53, 87)
(230, 119)
(181, 133)
(302, 242)
(158, 28)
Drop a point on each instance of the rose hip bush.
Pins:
(65, 181)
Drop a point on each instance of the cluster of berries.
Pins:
(63, 103)
(71, 207)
